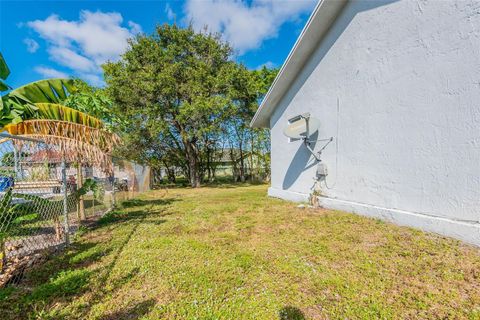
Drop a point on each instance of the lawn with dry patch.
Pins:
(233, 253)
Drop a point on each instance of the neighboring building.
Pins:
(397, 84)
(47, 164)
(228, 163)
(138, 177)
(44, 165)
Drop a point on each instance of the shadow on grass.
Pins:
(61, 277)
(135, 312)
(105, 275)
(219, 182)
(154, 208)
(65, 283)
(31, 230)
(290, 313)
(146, 202)
(118, 217)
(79, 255)
(64, 276)
(232, 185)
(89, 203)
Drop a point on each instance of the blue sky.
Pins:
(41, 39)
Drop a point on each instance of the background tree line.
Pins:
(180, 102)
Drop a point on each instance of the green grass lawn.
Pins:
(233, 253)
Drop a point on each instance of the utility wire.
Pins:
(336, 150)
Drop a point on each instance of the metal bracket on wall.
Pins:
(317, 154)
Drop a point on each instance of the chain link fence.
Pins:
(130, 179)
(44, 199)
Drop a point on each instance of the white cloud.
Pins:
(135, 28)
(32, 45)
(92, 78)
(83, 45)
(69, 58)
(268, 64)
(245, 25)
(170, 14)
(50, 72)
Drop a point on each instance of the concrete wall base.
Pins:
(466, 231)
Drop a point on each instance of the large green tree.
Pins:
(247, 88)
(171, 87)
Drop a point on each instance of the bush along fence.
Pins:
(44, 198)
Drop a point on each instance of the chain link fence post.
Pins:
(65, 201)
(15, 160)
(114, 203)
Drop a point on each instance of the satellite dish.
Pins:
(298, 128)
(302, 127)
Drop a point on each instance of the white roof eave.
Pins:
(315, 29)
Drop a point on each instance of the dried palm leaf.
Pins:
(77, 142)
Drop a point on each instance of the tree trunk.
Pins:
(242, 164)
(157, 176)
(210, 175)
(194, 176)
(234, 165)
(81, 203)
(171, 175)
(192, 157)
(170, 172)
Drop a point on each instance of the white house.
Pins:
(396, 83)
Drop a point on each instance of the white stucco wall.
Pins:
(397, 83)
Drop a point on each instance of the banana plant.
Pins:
(54, 111)
(4, 72)
(20, 104)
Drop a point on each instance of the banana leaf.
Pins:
(59, 112)
(4, 71)
(44, 91)
(3, 86)
(13, 110)
(19, 104)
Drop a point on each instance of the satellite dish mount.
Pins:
(302, 127)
